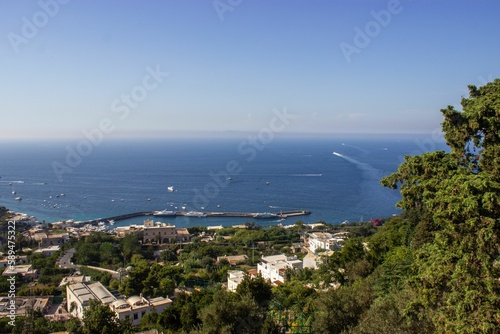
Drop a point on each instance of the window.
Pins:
(136, 316)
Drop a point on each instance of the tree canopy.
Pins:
(457, 271)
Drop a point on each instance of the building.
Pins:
(48, 251)
(78, 296)
(273, 267)
(20, 259)
(183, 235)
(233, 259)
(24, 305)
(234, 278)
(25, 271)
(136, 307)
(45, 240)
(161, 233)
(325, 241)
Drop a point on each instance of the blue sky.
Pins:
(231, 64)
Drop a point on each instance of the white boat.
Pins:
(171, 188)
(195, 214)
(164, 213)
(18, 198)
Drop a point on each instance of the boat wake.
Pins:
(307, 175)
(369, 172)
(356, 147)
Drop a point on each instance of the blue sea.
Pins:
(74, 180)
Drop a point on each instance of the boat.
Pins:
(264, 215)
(171, 188)
(18, 198)
(164, 213)
(195, 214)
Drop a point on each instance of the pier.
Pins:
(253, 215)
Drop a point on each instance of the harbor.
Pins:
(199, 214)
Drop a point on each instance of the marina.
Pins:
(196, 214)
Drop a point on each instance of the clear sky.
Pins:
(336, 66)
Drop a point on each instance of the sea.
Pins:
(337, 178)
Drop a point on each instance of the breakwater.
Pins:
(253, 215)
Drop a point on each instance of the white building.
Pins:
(26, 271)
(48, 251)
(78, 297)
(137, 307)
(234, 278)
(323, 240)
(273, 267)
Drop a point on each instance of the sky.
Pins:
(162, 68)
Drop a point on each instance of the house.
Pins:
(234, 278)
(24, 305)
(48, 251)
(136, 307)
(232, 259)
(79, 295)
(51, 240)
(20, 259)
(25, 271)
(273, 267)
(183, 235)
(325, 241)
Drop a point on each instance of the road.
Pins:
(65, 262)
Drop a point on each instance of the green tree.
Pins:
(258, 288)
(455, 273)
(99, 318)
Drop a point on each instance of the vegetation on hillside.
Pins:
(433, 269)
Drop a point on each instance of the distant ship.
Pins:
(171, 188)
(18, 198)
(164, 213)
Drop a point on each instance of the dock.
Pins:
(253, 215)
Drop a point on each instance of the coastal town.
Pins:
(238, 253)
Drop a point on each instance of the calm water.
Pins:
(119, 177)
